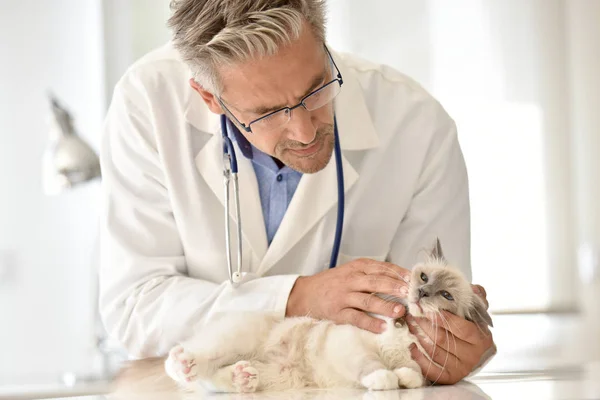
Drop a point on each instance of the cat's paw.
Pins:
(382, 379)
(244, 377)
(181, 365)
(409, 378)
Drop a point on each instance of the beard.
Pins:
(309, 164)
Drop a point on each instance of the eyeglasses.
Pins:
(311, 102)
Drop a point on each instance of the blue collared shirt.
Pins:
(276, 185)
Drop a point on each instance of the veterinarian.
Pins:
(164, 262)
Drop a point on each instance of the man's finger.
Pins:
(461, 328)
(361, 320)
(436, 333)
(444, 358)
(373, 267)
(376, 305)
(380, 284)
(480, 291)
(431, 371)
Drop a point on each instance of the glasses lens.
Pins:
(323, 96)
(271, 122)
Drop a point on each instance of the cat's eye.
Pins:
(424, 277)
(447, 295)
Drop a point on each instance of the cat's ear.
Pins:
(436, 251)
(479, 313)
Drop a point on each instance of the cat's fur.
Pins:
(260, 352)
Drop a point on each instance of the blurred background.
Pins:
(520, 77)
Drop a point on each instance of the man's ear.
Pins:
(209, 98)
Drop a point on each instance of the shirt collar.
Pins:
(243, 143)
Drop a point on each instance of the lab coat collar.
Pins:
(354, 121)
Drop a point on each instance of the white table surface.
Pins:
(581, 383)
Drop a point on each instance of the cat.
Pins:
(250, 352)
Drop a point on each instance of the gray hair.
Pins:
(210, 33)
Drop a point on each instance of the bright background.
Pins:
(519, 77)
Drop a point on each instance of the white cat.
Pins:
(259, 352)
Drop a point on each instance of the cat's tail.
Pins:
(145, 376)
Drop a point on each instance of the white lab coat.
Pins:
(163, 265)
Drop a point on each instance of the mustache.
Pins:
(326, 131)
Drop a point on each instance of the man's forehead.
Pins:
(273, 81)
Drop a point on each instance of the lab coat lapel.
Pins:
(315, 196)
(209, 163)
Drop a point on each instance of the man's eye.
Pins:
(424, 277)
(447, 295)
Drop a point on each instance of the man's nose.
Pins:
(301, 126)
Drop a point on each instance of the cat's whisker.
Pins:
(308, 313)
(387, 299)
(453, 338)
(452, 327)
(398, 287)
(447, 354)
(448, 338)
(431, 361)
(390, 269)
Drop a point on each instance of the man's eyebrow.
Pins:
(266, 109)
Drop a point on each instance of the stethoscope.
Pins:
(230, 173)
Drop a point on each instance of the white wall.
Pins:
(583, 32)
(499, 68)
(149, 24)
(131, 29)
(45, 303)
(78, 49)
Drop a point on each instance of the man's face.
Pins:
(256, 88)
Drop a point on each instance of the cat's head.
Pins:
(435, 285)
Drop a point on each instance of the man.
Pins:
(265, 65)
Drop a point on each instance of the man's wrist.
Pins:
(296, 298)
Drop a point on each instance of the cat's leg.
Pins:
(361, 365)
(187, 367)
(410, 376)
(181, 366)
(189, 372)
(380, 379)
(225, 343)
(241, 377)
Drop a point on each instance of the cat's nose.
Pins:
(422, 293)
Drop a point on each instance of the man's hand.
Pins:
(452, 342)
(343, 294)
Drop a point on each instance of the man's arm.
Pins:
(147, 301)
